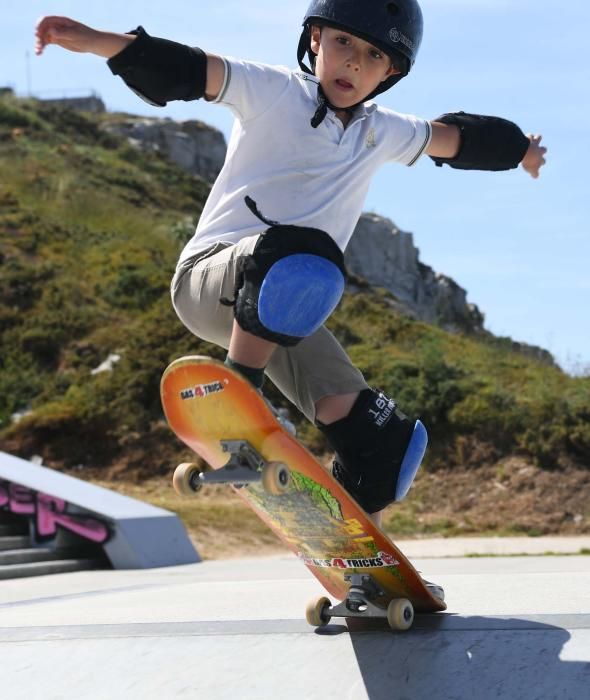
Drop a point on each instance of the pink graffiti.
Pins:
(50, 512)
(21, 500)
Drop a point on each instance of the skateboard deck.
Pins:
(229, 425)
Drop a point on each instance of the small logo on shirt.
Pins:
(371, 139)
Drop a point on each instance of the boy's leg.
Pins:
(248, 354)
(200, 284)
(316, 375)
(315, 371)
(378, 449)
(249, 350)
(329, 409)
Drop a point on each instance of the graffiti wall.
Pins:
(132, 534)
(49, 513)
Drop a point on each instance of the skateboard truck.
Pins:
(244, 466)
(360, 602)
(363, 589)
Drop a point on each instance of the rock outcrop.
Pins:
(385, 256)
(91, 103)
(382, 255)
(192, 145)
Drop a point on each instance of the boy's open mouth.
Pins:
(344, 84)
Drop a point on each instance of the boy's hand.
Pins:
(534, 158)
(76, 36)
(64, 32)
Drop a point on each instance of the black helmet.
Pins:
(394, 27)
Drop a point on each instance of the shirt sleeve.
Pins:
(249, 89)
(406, 137)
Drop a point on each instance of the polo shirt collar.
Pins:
(310, 85)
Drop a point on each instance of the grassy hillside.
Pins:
(90, 231)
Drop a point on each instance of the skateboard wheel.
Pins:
(400, 614)
(316, 613)
(186, 477)
(276, 478)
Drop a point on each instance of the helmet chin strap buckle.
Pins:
(323, 105)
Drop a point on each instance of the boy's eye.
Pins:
(376, 54)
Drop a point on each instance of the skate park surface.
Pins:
(517, 627)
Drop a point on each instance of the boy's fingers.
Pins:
(43, 24)
(46, 25)
(53, 19)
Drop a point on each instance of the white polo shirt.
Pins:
(296, 174)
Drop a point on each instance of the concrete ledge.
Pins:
(133, 534)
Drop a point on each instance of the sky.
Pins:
(520, 247)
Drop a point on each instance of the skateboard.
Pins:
(240, 441)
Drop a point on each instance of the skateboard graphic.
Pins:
(229, 425)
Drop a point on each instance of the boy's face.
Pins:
(348, 67)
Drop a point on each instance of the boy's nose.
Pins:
(353, 63)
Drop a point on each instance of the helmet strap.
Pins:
(323, 105)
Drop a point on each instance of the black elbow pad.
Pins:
(159, 70)
(487, 143)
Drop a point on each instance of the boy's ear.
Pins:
(315, 36)
(392, 70)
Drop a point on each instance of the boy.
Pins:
(304, 147)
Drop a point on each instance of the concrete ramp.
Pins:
(61, 511)
(517, 628)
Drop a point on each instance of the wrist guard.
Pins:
(487, 143)
(158, 70)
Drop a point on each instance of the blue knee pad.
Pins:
(289, 285)
(298, 294)
(412, 460)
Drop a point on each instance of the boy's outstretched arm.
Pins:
(473, 142)
(78, 37)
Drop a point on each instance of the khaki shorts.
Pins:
(315, 368)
